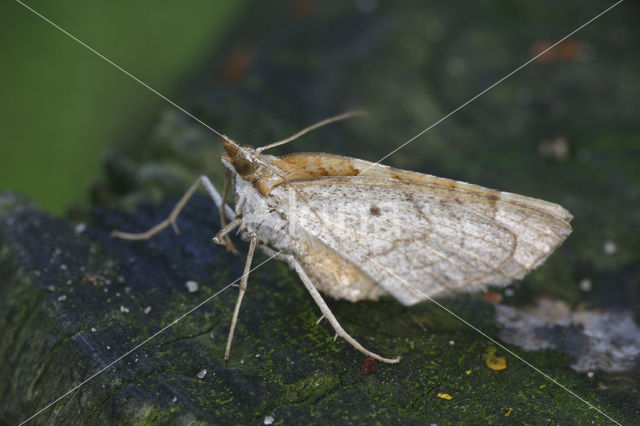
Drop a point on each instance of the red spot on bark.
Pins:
(368, 366)
(492, 297)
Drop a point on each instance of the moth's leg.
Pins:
(243, 288)
(217, 199)
(225, 190)
(240, 203)
(226, 241)
(326, 312)
(171, 220)
(220, 236)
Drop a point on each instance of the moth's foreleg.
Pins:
(326, 313)
(217, 199)
(243, 288)
(173, 216)
(223, 219)
(220, 201)
(223, 235)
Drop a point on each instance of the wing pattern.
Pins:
(436, 237)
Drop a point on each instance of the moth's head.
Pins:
(244, 160)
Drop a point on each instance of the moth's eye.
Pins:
(244, 167)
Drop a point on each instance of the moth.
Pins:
(357, 230)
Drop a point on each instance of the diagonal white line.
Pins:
(120, 68)
(138, 346)
(495, 342)
(494, 85)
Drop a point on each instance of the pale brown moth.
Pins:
(357, 230)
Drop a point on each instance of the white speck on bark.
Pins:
(268, 420)
(192, 286)
(610, 247)
(585, 284)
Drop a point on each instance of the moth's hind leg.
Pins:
(326, 312)
(242, 289)
(173, 216)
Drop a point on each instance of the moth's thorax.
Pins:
(261, 201)
(266, 216)
(262, 213)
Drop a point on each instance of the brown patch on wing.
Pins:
(310, 165)
(307, 165)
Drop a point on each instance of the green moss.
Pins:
(309, 390)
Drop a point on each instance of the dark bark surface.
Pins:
(74, 302)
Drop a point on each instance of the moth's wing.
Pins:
(306, 165)
(434, 234)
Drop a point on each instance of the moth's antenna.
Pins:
(312, 127)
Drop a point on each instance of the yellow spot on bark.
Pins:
(444, 396)
(494, 362)
(508, 413)
(468, 372)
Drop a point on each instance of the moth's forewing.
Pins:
(437, 234)
(307, 165)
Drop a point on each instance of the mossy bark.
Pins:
(74, 302)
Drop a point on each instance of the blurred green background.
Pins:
(62, 105)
